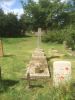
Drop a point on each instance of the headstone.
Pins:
(1, 48)
(65, 44)
(70, 52)
(61, 72)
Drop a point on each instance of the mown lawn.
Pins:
(17, 53)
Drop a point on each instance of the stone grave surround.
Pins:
(38, 66)
(55, 53)
(61, 72)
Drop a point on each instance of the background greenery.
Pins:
(57, 20)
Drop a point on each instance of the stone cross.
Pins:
(39, 38)
(61, 72)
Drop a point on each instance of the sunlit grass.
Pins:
(17, 54)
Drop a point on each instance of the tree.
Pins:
(2, 22)
(11, 24)
(22, 25)
(44, 14)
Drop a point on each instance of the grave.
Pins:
(61, 72)
(38, 66)
(1, 48)
(54, 53)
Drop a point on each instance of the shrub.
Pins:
(58, 36)
(54, 36)
(70, 38)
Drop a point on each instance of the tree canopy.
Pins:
(45, 14)
(10, 25)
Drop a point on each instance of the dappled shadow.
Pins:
(26, 36)
(73, 84)
(36, 86)
(49, 58)
(8, 55)
(73, 90)
(23, 36)
(6, 84)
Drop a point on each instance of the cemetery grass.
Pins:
(17, 54)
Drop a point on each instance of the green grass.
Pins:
(17, 54)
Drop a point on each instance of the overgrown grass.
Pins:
(17, 53)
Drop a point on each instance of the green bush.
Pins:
(58, 36)
(54, 36)
(70, 38)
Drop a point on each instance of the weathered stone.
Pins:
(1, 49)
(65, 45)
(38, 66)
(61, 72)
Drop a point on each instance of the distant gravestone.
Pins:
(1, 48)
(65, 44)
(70, 52)
(61, 72)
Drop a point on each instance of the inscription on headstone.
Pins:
(61, 72)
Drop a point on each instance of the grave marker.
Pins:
(1, 48)
(61, 72)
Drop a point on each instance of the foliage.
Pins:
(54, 36)
(59, 36)
(2, 22)
(54, 16)
(45, 14)
(70, 38)
(10, 25)
(22, 25)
